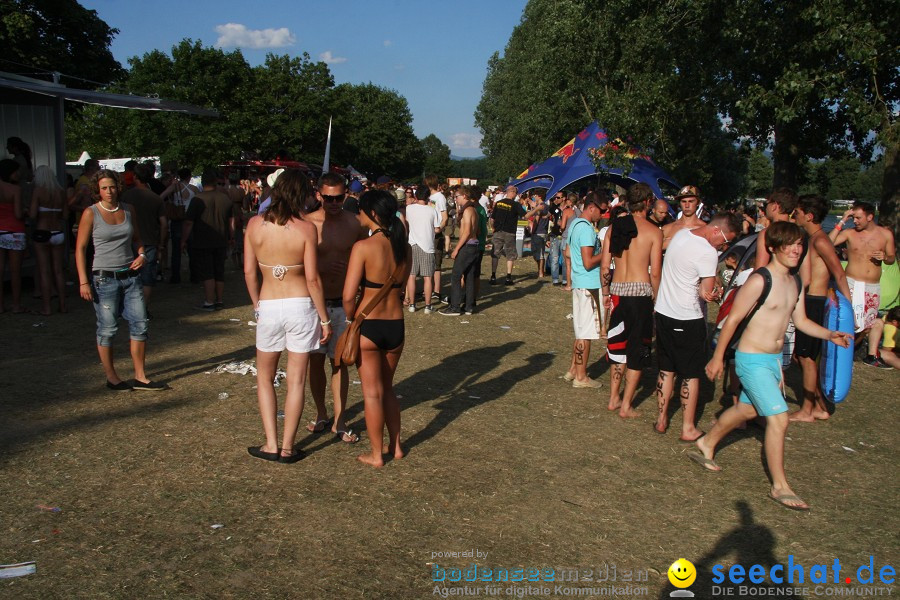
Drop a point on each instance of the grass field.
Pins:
(505, 459)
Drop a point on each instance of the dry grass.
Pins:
(504, 458)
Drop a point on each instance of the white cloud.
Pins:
(329, 59)
(465, 141)
(235, 35)
(387, 43)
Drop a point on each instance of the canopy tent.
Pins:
(540, 182)
(573, 163)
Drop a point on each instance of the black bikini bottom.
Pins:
(387, 334)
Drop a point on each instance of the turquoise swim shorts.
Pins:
(760, 376)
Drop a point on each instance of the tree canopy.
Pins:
(60, 36)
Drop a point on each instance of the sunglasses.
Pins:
(333, 199)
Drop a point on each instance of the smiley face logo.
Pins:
(682, 573)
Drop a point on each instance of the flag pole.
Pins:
(326, 165)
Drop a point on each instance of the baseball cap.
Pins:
(355, 186)
(273, 177)
(688, 191)
(382, 180)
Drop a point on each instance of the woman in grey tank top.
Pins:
(114, 284)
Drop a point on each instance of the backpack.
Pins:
(767, 287)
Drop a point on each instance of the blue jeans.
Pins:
(114, 298)
(555, 254)
(151, 266)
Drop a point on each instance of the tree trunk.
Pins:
(786, 157)
(890, 190)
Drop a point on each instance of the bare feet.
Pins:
(662, 425)
(821, 415)
(398, 452)
(629, 413)
(801, 416)
(614, 404)
(372, 461)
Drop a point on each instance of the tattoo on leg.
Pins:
(685, 391)
(660, 399)
(579, 352)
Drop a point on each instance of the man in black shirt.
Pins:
(504, 220)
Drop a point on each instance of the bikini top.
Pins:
(279, 271)
(372, 284)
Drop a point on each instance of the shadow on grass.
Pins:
(749, 543)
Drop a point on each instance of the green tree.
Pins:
(472, 168)
(759, 174)
(373, 131)
(288, 107)
(60, 36)
(437, 156)
(569, 61)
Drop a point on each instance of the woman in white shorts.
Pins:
(290, 306)
(12, 232)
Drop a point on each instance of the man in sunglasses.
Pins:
(338, 230)
(688, 276)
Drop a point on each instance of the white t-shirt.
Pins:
(439, 202)
(688, 258)
(422, 219)
(483, 201)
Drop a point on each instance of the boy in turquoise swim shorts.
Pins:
(758, 357)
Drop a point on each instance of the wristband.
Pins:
(85, 284)
(324, 323)
(142, 255)
(839, 226)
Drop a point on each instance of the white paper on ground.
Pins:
(17, 570)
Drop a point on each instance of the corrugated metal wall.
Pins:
(30, 117)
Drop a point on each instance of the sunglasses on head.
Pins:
(333, 199)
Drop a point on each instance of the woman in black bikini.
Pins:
(372, 262)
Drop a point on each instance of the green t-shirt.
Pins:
(482, 226)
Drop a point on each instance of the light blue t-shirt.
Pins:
(582, 233)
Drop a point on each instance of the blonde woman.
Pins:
(49, 212)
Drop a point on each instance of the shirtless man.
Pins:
(758, 358)
(659, 214)
(689, 199)
(823, 265)
(338, 230)
(688, 279)
(779, 206)
(868, 245)
(629, 291)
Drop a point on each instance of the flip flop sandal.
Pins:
(297, 456)
(258, 452)
(706, 463)
(784, 498)
(326, 424)
(340, 433)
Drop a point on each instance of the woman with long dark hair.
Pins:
(290, 306)
(49, 212)
(372, 262)
(21, 153)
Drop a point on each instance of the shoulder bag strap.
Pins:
(362, 314)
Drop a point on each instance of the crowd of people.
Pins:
(319, 254)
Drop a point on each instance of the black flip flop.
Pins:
(297, 456)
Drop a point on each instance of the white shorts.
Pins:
(338, 325)
(289, 322)
(585, 315)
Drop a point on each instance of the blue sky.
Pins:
(433, 53)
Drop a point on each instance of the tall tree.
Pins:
(373, 131)
(437, 156)
(60, 36)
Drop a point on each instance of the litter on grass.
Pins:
(251, 323)
(41, 324)
(17, 570)
(217, 525)
(235, 320)
(46, 508)
(247, 367)
(280, 414)
(223, 396)
(504, 327)
(848, 449)
(570, 316)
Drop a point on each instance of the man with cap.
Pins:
(351, 204)
(689, 199)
